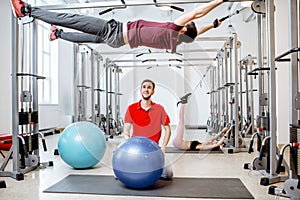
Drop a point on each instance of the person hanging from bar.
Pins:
(160, 35)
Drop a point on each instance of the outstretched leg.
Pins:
(178, 140)
(224, 130)
(87, 24)
(210, 145)
(80, 37)
(76, 37)
(110, 32)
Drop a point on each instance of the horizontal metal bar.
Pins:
(31, 75)
(213, 50)
(111, 4)
(166, 60)
(212, 39)
(201, 50)
(293, 50)
(153, 66)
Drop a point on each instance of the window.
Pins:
(47, 66)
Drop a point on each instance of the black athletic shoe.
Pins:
(184, 99)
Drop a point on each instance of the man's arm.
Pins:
(166, 138)
(203, 29)
(198, 12)
(127, 127)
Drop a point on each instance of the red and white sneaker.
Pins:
(17, 6)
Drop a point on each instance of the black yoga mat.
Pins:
(217, 188)
(175, 150)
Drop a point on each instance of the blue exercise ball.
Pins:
(138, 162)
(82, 145)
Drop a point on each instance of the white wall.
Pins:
(5, 75)
(282, 38)
(60, 115)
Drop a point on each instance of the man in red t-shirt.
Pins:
(147, 118)
(160, 35)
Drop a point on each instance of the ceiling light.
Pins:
(246, 3)
(165, 8)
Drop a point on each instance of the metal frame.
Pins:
(272, 85)
(25, 125)
(90, 63)
(98, 90)
(119, 4)
(291, 187)
(80, 85)
(219, 87)
(247, 89)
(269, 168)
(112, 113)
(229, 56)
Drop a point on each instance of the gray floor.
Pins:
(184, 165)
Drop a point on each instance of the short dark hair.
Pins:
(190, 34)
(148, 80)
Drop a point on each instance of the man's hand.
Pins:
(163, 148)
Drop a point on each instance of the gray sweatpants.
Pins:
(94, 30)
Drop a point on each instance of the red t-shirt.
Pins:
(147, 123)
(160, 35)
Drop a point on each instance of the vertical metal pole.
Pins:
(236, 88)
(82, 104)
(294, 73)
(99, 59)
(226, 82)
(15, 104)
(222, 84)
(107, 68)
(251, 95)
(231, 86)
(272, 84)
(247, 91)
(93, 85)
(260, 58)
(34, 82)
(215, 96)
(211, 96)
(116, 91)
(110, 87)
(293, 43)
(218, 92)
(241, 93)
(75, 83)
